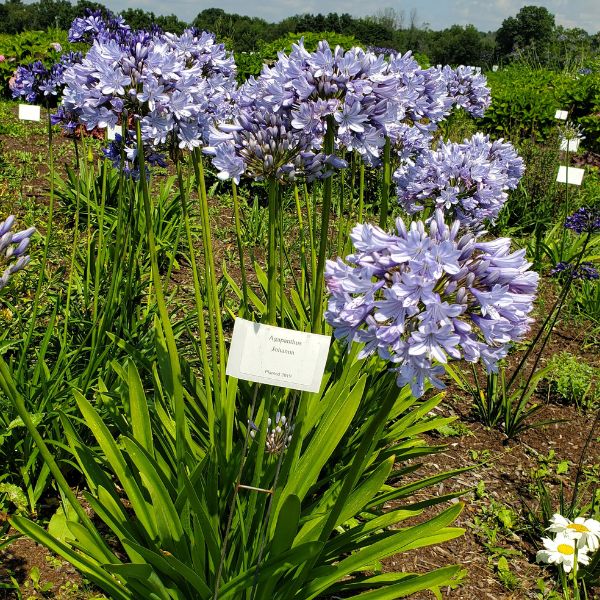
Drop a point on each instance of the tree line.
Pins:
(532, 31)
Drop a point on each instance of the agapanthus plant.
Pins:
(279, 433)
(584, 270)
(469, 180)
(13, 248)
(430, 294)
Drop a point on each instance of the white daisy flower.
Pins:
(585, 531)
(561, 551)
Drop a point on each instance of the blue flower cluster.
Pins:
(468, 89)
(37, 84)
(12, 249)
(430, 293)
(469, 180)
(97, 24)
(585, 270)
(370, 98)
(175, 86)
(584, 220)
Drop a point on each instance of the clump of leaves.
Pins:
(574, 381)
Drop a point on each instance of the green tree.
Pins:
(137, 18)
(460, 45)
(532, 29)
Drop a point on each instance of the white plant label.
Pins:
(277, 356)
(569, 145)
(112, 131)
(29, 112)
(570, 175)
(563, 115)
(494, 68)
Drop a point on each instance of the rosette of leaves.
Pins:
(318, 531)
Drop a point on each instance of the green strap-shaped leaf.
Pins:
(394, 544)
(142, 580)
(413, 583)
(357, 500)
(168, 525)
(173, 569)
(138, 409)
(288, 561)
(330, 431)
(117, 462)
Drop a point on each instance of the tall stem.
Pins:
(361, 192)
(238, 235)
(386, 183)
(215, 320)
(208, 388)
(317, 304)
(273, 189)
(179, 408)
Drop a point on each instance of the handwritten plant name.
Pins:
(284, 349)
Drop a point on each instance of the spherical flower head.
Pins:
(467, 87)
(428, 294)
(469, 181)
(585, 531)
(175, 86)
(562, 551)
(13, 247)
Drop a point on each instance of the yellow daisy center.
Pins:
(578, 527)
(565, 549)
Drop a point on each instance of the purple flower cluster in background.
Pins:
(12, 249)
(468, 89)
(429, 294)
(97, 24)
(37, 84)
(584, 271)
(469, 180)
(584, 220)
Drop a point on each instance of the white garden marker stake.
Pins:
(29, 112)
(277, 356)
(570, 175)
(571, 145)
(112, 131)
(562, 115)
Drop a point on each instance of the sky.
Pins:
(486, 15)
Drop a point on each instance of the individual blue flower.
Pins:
(428, 294)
